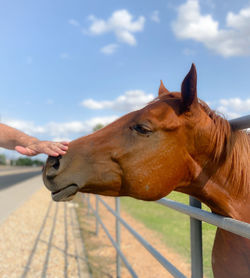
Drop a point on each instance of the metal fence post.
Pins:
(97, 214)
(118, 238)
(196, 242)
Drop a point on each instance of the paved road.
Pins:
(10, 180)
(16, 189)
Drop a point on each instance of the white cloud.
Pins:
(100, 120)
(71, 129)
(234, 107)
(64, 129)
(121, 23)
(26, 126)
(74, 22)
(59, 131)
(191, 24)
(109, 49)
(155, 16)
(230, 41)
(237, 104)
(228, 114)
(61, 139)
(92, 104)
(131, 100)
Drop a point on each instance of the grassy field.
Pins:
(172, 226)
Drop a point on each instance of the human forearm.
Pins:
(11, 137)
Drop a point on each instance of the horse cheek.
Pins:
(149, 182)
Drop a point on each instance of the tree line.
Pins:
(21, 161)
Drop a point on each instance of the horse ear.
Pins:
(162, 89)
(189, 89)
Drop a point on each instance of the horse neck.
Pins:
(225, 186)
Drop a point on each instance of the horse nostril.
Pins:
(55, 161)
(56, 165)
(52, 166)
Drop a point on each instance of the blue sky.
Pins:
(67, 65)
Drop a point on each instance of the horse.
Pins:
(176, 142)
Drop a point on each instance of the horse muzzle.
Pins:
(65, 194)
(60, 190)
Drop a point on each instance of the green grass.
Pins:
(173, 227)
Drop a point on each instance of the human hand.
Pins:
(46, 147)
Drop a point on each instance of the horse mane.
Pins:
(231, 151)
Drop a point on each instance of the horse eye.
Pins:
(142, 129)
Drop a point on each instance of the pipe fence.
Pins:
(194, 211)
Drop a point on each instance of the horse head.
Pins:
(176, 142)
(145, 154)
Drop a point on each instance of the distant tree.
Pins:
(2, 159)
(24, 161)
(38, 162)
(98, 126)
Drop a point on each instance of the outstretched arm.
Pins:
(13, 139)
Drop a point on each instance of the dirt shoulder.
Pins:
(39, 239)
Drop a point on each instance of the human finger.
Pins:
(25, 151)
(66, 143)
(50, 152)
(57, 149)
(62, 147)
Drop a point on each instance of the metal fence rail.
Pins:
(163, 261)
(196, 216)
(159, 257)
(226, 223)
(240, 123)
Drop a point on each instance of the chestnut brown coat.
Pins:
(176, 143)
